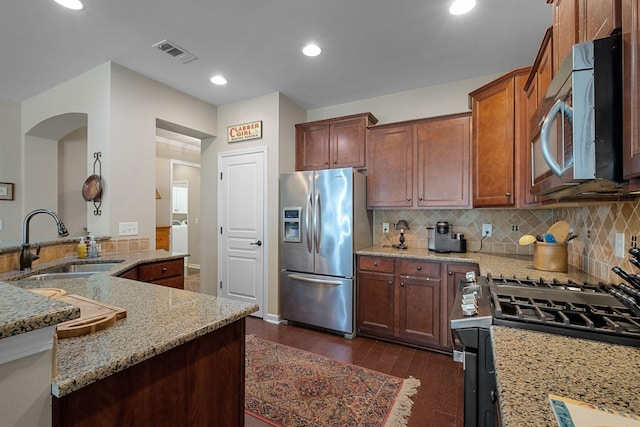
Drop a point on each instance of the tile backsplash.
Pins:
(592, 251)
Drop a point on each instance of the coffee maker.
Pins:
(443, 239)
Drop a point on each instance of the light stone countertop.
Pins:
(530, 365)
(495, 264)
(158, 318)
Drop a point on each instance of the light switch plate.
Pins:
(128, 228)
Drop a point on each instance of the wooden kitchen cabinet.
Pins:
(576, 21)
(163, 234)
(166, 273)
(631, 88)
(333, 143)
(535, 89)
(405, 300)
(498, 135)
(390, 166)
(420, 163)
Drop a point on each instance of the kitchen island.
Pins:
(530, 365)
(176, 359)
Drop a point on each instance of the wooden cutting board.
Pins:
(94, 315)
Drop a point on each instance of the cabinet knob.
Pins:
(508, 194)
(390, 282)
(164, 269)
(402, 284)
(335, 162)
(451, 273)
(420, 199)
(408, 200)
(375, 264)
(326, 163)
(419, 267)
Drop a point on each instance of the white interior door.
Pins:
(241, 207)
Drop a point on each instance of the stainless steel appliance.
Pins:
(441, 238)
(576, 144)
(581, 310)
(324, 220)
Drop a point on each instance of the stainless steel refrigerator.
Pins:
(324, 220)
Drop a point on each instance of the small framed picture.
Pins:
(6, 191)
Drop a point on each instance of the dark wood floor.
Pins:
(439, 399)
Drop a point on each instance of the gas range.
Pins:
(576, 309)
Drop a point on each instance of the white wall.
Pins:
(72, 208)
(122, 107)
(11, 169)
(431, 101)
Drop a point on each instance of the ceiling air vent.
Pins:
(176, 51)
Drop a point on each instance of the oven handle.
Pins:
(559, 107)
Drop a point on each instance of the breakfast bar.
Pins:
(160, 365)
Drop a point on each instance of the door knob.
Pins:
(258, 243)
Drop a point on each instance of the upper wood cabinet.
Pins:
(333, 143)
(535, 88)
(498, 140)
(576, 21)
(420, 163)
(631, 86)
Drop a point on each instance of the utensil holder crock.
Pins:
(550, 256)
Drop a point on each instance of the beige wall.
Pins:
(278, 116)
(122, 107)
(11, 169)
(72, 208)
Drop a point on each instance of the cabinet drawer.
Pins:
(417, 268)
(376, 263)
(160, 270)
(171, 282)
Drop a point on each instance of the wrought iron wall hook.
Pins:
(97, 202)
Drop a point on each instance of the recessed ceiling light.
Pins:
(460, 7)
(218, 80)
(70, 4)
(311, 50)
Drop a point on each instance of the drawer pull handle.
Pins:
(419, 267)
(164, 269)
(375, 264)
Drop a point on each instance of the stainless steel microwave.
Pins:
(576, 146)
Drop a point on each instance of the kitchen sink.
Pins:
(92, 267)
(71, 271)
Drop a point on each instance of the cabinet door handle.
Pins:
(408, 200)
(420, 199)
(508, 194)
(390, 282)
(451, 273)
(375, 264)
(419, 267)
(402, 284)
(164, 269)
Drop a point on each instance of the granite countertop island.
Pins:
(158, 318)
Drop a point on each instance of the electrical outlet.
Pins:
(487, 230)
(619, 245)
(128, 228)
(514, 228)
(385, 227)
(634, 241)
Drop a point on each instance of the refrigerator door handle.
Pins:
(312, 280)
(318, 223)
(307, 226)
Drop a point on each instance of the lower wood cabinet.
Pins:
(166, 273)
(408, 300)
(163, 236)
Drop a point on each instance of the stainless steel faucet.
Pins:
(26, 257)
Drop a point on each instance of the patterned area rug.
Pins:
(294, 388)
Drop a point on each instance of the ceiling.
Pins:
(370, 47)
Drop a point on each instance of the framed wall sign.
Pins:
(244, 132)
(6, 191)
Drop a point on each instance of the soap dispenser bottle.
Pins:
(82, 249)
(93, 248)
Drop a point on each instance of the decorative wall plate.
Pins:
(92, 188)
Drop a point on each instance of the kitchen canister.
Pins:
(550, 256)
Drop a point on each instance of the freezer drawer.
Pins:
(322, 301)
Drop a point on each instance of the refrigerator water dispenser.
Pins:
(291, 224)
